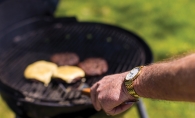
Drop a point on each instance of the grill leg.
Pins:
(141, 109)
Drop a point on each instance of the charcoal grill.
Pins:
(42, 37)
(38, 38)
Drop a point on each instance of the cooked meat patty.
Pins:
(94, 66)
(67, 58)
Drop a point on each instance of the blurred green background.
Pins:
(167, 26)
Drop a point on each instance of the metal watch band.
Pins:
(129, 84)
(131, 90)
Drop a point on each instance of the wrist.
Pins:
(139, 85)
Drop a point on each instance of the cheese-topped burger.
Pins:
(41, 71)
(69, 73)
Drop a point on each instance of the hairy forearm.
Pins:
(171, 80)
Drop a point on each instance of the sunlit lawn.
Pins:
(5, 112)
(167, 26)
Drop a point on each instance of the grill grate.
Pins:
(121, 49)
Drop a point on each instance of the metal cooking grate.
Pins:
(121, 49)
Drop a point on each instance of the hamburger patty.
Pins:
(67, 58)
(94, 66)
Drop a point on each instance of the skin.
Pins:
(171, 80)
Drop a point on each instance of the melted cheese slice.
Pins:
(68, 73)
(41, 71)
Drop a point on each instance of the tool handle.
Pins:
(86, 91)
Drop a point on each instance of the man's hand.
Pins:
(110, 94)
(170, 80)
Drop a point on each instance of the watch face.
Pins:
(132, 73)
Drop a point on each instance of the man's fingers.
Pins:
(119, 109)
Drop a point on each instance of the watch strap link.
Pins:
(129, 84)
(130, 89)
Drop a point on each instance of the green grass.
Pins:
(167, 26)
(5, 112)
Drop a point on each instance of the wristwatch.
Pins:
(130, 77)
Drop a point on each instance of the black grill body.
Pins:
(42, 37)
